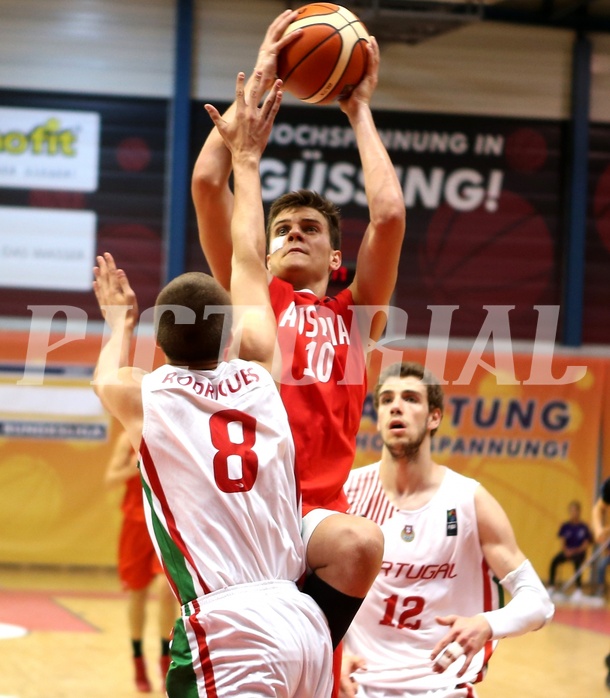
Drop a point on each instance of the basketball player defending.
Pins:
(431, 619)
(324, 380)
(217, 459)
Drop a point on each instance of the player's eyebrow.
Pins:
(283, 221)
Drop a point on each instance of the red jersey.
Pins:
(323, 387)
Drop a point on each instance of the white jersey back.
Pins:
(217, 462)
(432, 566)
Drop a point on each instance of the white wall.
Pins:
(126, 47)
(117, 47)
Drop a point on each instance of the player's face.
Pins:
(403, 416)
(299, 248)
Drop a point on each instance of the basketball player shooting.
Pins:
(303, 229)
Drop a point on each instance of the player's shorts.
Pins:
(311, 521)
(251, 640)
(138, 561)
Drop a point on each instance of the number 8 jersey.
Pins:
(218, 443)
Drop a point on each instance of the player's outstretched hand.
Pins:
(248, 133)
(115, 296)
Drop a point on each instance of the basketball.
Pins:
(329, 59)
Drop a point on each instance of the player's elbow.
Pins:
(206, 179)
(392, 217)
(547, 611)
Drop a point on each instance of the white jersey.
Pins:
(432, 566)
(217, 462)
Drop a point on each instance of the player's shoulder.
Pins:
(455, 479)
(363, 490)
(247, 369)
(342, 299)
(363, 476)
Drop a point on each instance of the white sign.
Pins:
(49, 149)
(47, 248)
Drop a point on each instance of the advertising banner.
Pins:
(79, 175)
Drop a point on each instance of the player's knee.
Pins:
(361, 547)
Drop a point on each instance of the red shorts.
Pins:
(138, 561)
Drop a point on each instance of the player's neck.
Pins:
(197, 366)
(300, 282)
(406, 475)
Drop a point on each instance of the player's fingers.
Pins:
(464, 668)
(239, 90)
(288, 39)
(273, 101)
(214, 115)
(110, 263)
(126, 289)
(451, 652)
(255, 89)
(281, 23)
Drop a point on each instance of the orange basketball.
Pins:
(329, 59)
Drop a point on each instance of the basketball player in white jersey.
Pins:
(217, 459)
(432, 617)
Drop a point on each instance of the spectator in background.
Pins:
(576, 537)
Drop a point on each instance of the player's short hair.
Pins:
(305, 198)
(182, 333)
(436, 396)
(606, 491)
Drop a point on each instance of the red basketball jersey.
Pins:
(323, 387)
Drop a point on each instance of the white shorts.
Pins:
(463, 691)
(311, 521)
(251, 640)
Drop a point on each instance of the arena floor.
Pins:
(75, 643)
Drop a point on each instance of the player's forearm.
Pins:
(529, 608)
(248, 222)
(249, 287)
(213, 202)
(114, 354)
(381, 184)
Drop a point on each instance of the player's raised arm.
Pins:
(116, 383)
(212, 196)
(379, 254)
(246, 136)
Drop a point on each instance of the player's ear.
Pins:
(434, 418)
(335, 260)
(230, 352)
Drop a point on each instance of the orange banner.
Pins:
(55, 443)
